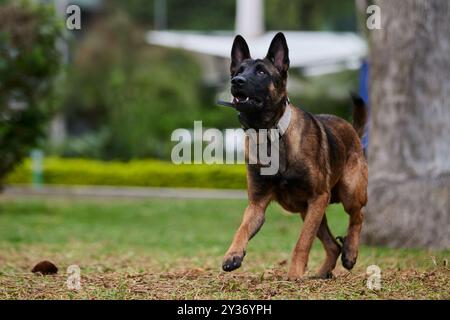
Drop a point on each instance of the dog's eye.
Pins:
(261, 72)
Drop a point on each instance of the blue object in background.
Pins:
(364, 93)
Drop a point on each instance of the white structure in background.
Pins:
(250, 18)
(315, 52)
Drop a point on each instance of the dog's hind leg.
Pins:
(312, 221)
(351, 241)
(251, 223)
(353, 194)
(332, 250)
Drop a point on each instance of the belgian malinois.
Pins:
(322, 156)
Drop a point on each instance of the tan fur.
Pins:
(345, 181)
(322, 162)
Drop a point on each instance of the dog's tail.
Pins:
(359, 114)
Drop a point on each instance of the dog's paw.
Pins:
(296, 278)
(348, 256)
(347, 262)
(232, 262)
(327, 275)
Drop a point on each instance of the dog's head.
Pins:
(258, 86)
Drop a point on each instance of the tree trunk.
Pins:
(409, 146)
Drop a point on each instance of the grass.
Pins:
(172, 249)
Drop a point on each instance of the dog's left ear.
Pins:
(279, 53)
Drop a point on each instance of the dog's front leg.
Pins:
(313, 218)
(251, 223)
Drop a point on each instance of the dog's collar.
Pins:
(285, 120)
(281, 126)
(283, 123)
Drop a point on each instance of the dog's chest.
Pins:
(291, 189)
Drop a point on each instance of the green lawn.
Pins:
(173, 249)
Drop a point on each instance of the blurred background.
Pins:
(87, 115)
(93, 99)
(139, 69)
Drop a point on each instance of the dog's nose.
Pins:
(238, 81)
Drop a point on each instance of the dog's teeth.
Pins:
(247, 99)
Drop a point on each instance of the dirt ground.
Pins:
(123, 279)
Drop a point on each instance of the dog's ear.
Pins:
(239, 52)
(279, 53)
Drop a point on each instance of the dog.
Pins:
(322, 157)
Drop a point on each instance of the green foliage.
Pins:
(29, 63)
(130, 94)
(201, 14)
(310, 15)
(134, 173)
(326, 93)
(184, 14)
(125, 97)
(148, 102)
(219, 14)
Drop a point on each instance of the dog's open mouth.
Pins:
(243, 101)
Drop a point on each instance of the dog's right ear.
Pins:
(239, 52)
